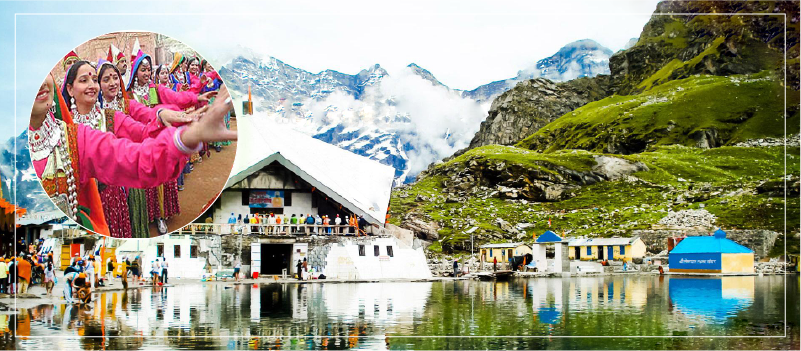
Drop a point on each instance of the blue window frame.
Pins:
(490, 252)
(622, 249)
(589, 250)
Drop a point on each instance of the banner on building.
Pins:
(266, 198)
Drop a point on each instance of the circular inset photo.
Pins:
(132, 135)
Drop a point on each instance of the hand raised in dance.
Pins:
(205, 97)
(211, 124)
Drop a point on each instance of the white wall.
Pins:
(230, 201)
(183, 267)
(344, 262)
(301, 203)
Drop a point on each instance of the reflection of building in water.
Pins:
(615, 291)
(711, 299)
(397, 302)
(546, 295)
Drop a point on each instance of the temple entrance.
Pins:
(275, 257)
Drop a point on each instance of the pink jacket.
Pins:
(123, 162)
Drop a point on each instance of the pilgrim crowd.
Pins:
(264, 223)
(35, 265)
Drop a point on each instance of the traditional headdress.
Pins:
(135, 67)
(115, 55)
(177, 59)
(68, 57)
(136, 50)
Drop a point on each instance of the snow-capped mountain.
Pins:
(582, 58)
(29, 193)
(406, 120)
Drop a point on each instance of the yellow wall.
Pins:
(737, 263)
(636, 249)
(503, 253)
(522, 250)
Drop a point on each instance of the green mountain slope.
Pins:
(704, 111)
(494, 182)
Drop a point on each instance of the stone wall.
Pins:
(231, 245)
(761, 241)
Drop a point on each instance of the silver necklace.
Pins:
(142, 91)
(91, 119)
(46, 140)
(72, 188)
(114, 105)
(43, 140)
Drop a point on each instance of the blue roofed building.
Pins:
(711, 254)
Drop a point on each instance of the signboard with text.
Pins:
(266, 198)
(705, 261)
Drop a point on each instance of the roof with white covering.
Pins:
(360, 184)
(602, 241)
(502, 245)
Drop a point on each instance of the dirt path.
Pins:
(202, 186)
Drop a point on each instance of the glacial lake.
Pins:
(601, 312)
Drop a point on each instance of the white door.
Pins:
(255, 257)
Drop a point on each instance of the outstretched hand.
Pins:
(205, 97)
(172, 118)
(210, 125)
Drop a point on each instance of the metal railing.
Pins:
(271, 229)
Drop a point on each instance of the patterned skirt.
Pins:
(137, 207)
(162, 201)
(115, 208)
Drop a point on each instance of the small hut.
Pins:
(711, 254)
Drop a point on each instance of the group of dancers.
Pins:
(112, 154)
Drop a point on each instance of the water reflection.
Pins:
(714, 300)
(344, 315)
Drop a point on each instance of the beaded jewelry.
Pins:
(91, 119)
(46, 140)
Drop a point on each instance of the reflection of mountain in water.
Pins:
(714, 299)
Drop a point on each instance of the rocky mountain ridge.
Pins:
(673, 47)
(394, 120)
(677, 125)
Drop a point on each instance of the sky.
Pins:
(463, 43)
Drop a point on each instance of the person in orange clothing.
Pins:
(352, 222)
(24, 275)
(84, 293)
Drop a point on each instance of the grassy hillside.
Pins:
(720, 110)
(723, 180)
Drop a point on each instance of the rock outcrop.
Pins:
(532, 104)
